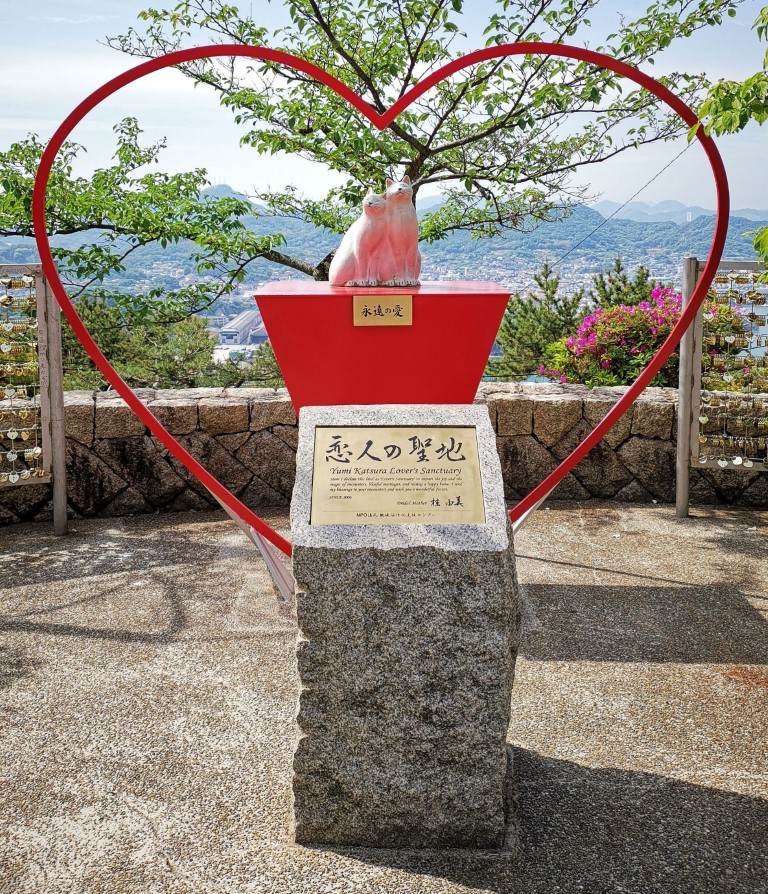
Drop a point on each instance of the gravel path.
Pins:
(148, 689)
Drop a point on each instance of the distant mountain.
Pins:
(592, 243)
(222, 191)
(581, 244)
(428, 203)
(669, 211)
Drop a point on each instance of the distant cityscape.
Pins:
(584, 243)
(240, 333)
(239, 337)
(587, 242)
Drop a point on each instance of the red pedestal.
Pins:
(326, 360)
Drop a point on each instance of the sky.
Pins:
(58, 57)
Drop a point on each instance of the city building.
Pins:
(245, 329)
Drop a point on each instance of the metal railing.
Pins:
(723, 407)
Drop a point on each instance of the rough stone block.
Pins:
(139, 462)
(266, 413)
(487, 390)
(729, 484)
(700, 491)
(128, 502)
(233, 442)
(91, 484)
(653, 419)
(601, 472)
(596, 408)
(525, 463)
(144, 394)
(756, 493)
(189, 500)
(6, 516)
(24, 502)
(115, 419)
(514, 414)
(608, 392)
(538, 389)
(219, 416)
(633, 493)
(554, 416)
(259, 493)
(79, 408)
(188, 394)
(216, 460)
(271, 460)
(247, 394)
(46, 513)
(406, 658)
(288, 434)
(652, 462)
(178, 416)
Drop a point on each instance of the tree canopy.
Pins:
(504, 141)
(732, 105)
(534, 322)
(123, 207)
(152, 336)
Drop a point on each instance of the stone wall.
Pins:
(247, 438)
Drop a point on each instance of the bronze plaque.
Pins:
(401, 475)
(382, 310)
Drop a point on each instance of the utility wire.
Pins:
(602, 223)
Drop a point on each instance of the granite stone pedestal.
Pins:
(406, 654)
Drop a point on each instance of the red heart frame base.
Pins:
(380, 120)
(431, 361)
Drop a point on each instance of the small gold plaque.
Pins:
(402, 475)
(382, 310)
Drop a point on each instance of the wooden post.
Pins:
(697, 350)
(58, 439)
(684, 394)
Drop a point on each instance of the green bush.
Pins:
(614, 344)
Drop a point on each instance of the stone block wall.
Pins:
(247, 438)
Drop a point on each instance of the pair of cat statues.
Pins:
(381, 248)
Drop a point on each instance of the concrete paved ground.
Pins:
(147, 697)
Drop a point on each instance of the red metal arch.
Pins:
(379, 120)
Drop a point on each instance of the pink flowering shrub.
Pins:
(613, 345)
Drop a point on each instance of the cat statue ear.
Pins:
(389, 182)
(406, 179)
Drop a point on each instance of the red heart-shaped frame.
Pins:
(379, 120)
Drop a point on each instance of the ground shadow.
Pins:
(14, 664)
(712, 624)
(165, 629)
(33, 555)
(602, 831)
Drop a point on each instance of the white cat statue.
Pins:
(403, 226)
(363, 258)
